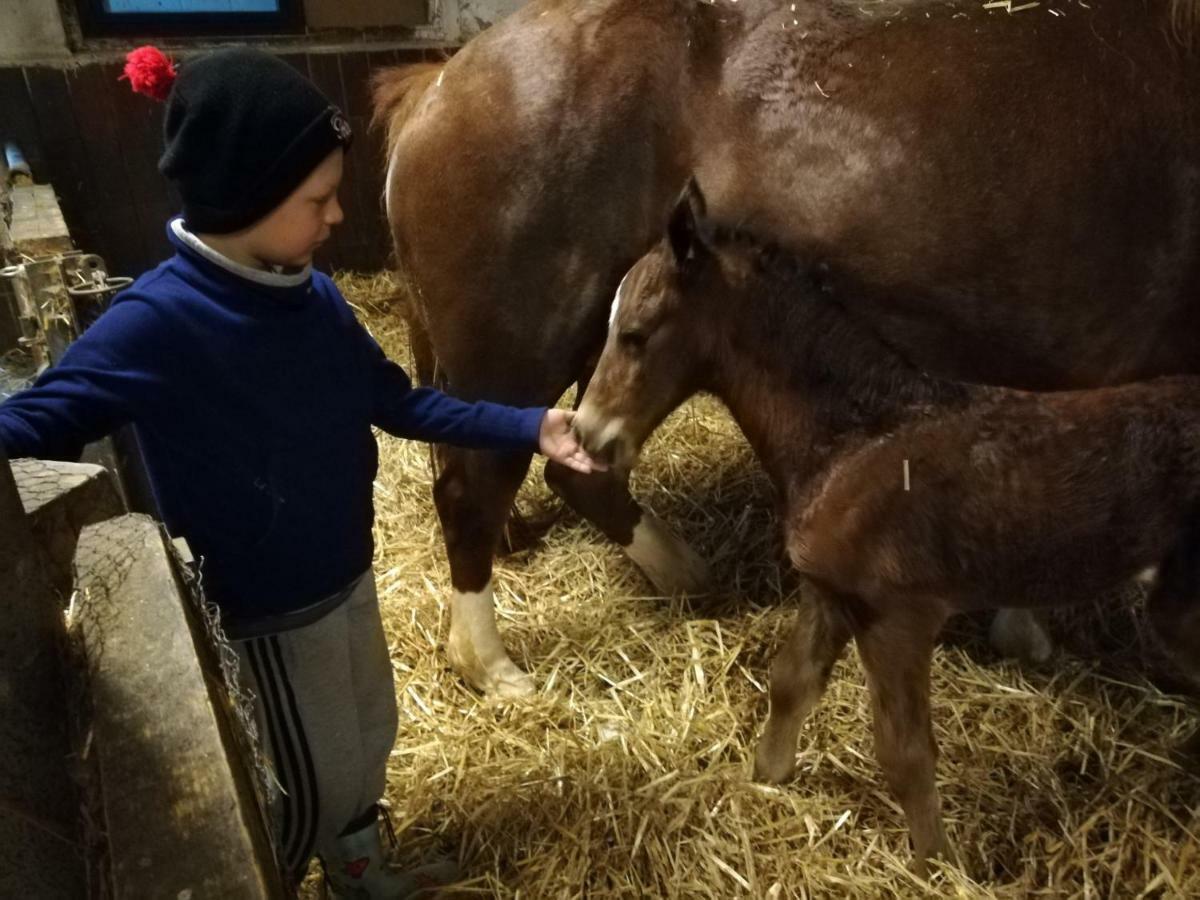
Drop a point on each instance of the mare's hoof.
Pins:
(668, 561)
(1017, 634)
(502, 680)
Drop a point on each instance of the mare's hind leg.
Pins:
(896, 651)
(604, 499)
(799, 675)
(473, 493)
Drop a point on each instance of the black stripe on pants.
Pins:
(290, 754)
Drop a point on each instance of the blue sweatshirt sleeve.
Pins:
(426, 414)
(104, 380)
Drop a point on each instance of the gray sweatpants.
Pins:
(326, 707)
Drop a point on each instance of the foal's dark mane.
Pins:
(796, 326)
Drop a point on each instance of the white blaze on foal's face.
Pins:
(616, 304)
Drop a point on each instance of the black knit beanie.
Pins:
(243, 129)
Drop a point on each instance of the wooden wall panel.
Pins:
(59, 138)
(111, 174)
(17, 119)
(360, 161)
(84, 130)
(364, 13)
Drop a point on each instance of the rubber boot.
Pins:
(357, 869)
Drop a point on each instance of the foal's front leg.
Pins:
(799, 675)
(897, 651)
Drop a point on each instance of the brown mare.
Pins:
(906, 498)
(1011, 199)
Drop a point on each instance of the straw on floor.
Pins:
(628, 774)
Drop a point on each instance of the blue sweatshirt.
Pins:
(253, 395)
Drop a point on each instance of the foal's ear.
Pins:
(687, 224)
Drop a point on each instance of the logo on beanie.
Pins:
(341, 126)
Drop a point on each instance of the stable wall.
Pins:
(85, 132)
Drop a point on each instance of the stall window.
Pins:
(123, 17)
(232, 17)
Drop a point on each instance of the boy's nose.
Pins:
(334, 214)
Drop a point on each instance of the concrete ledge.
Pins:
(62, 498)
(40, 851)
(38, 228)
(180, 818)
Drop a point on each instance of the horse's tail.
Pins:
(395, 92)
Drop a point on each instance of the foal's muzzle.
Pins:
(603, 438)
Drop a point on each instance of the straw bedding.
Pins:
(627, 775)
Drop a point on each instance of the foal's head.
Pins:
(661, 336)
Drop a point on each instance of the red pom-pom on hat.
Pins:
(150, 72)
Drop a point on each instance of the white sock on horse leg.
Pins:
(666, 559)
(477, 651)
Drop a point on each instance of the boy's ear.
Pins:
(687, 226)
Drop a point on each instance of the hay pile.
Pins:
(626, 776)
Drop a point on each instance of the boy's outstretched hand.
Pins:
(558, 442)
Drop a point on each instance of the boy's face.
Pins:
(290, 234)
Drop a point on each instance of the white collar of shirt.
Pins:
(258, 276)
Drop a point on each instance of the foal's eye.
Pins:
(632, 339)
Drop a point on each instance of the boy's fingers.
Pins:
(591, 465)
(571, 454)
(586, 464)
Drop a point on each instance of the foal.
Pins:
(906, 498)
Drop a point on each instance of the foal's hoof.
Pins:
(773, 768)
(1017, 634)
(941, 849)
(919, 867)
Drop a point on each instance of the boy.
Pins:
(253, 389)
